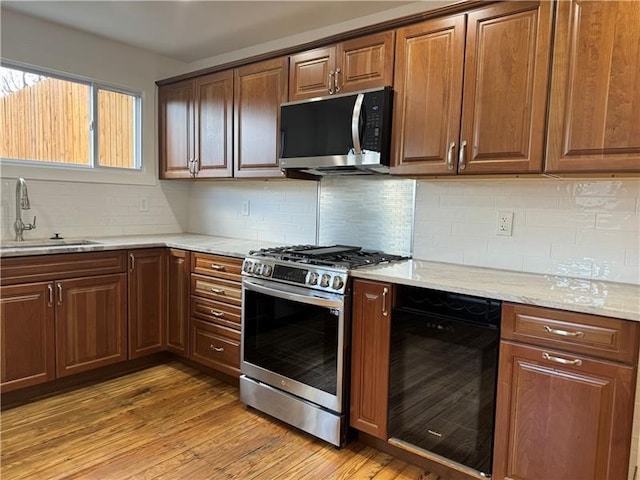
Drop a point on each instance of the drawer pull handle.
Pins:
(216, 349)
(577, 362)
(217, 291)
(220, 268)
(217, 314)
(563, 333)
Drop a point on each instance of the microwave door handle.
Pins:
(355, 124)
(295, 297)
(282, 143)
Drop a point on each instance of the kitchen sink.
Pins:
(45, 243)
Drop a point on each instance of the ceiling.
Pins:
(192, 30)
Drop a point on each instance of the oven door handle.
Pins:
(296, 297)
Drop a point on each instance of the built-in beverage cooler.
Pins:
(443, 371)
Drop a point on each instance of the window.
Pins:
(66, 121)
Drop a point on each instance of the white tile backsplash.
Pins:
(84, 210)
(279, 210)
(581, 228)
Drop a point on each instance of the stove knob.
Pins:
(266, 270)
(324, 281)
(257, 268)
(338, 283)
(313, 278)
(248, 266)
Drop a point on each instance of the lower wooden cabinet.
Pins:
(371, 330)
(91, 322)
(216, 298)
(216, 346)
(178, 272)
(563, 414)
(27, 335)
(147, 301)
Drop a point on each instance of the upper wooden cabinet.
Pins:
(358, 64)
(176, 129)
(260, 88)
(196, 127)
(492, 119)
(594, 124)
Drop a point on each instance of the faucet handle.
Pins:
(30, 226)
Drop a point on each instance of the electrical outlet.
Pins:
(144, 204)
(505, 224)
(245, 208)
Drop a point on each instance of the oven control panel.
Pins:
(310, 276)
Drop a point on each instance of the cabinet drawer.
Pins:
(217, 347)
(40, 268)
(602, 337)
(216, 289)
(216, 266)
(216, 312)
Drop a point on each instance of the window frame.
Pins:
(93, 127)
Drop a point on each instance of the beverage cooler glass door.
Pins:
(295, 341)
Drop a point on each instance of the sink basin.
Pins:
(45, 243)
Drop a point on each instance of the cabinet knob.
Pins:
(217, 291)
(220, 268)
(216, 314)
(216, 349)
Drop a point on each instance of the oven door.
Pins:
(294, 339)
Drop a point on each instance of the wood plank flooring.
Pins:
(172, 422)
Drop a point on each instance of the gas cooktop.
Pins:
(336, 256)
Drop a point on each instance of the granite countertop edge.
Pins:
(589, 296)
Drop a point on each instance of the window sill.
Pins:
(11, 169)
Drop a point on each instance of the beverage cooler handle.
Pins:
(355, 124)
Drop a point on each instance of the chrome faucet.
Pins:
(22, 203)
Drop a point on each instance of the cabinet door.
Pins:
(213, 116)
(428, 95)
(505, 88)
(311, 74)
(594, 124)
(556, 421)
(91, 322)
(178, 268)
(27, 335)
(365, 62)
(260, 88)
(175, 111)
(147, 301)
(371, 329)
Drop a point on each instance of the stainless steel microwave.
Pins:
(340, 134)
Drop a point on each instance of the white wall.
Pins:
(100, 207)
(581, 228)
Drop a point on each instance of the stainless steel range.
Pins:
(296, 334)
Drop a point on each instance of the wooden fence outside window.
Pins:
(50, 122)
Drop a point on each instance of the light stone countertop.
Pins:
(609, 299)
(230, 247)
(579, 295)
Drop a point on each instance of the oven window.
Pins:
(292, 339)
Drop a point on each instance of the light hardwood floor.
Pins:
(172, 422)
